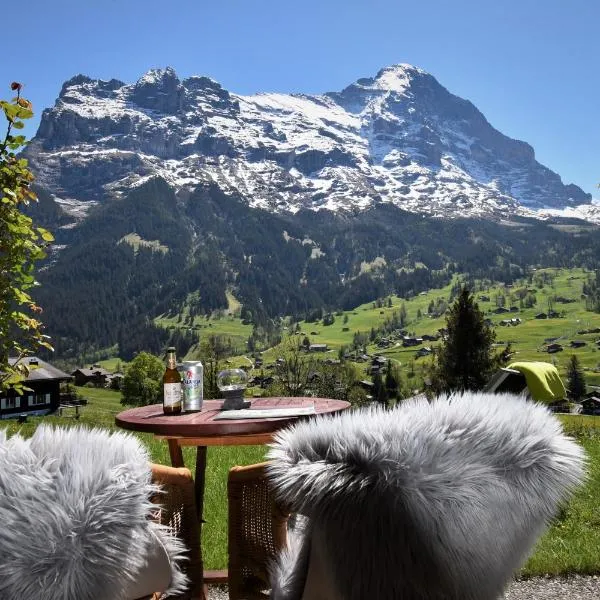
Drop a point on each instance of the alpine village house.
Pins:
(43, 395)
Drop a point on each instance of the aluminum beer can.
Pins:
(192, 385)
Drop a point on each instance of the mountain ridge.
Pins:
(398, 137)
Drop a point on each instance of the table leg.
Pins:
(175, 453)
(199, 484)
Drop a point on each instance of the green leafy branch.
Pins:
(22, 245)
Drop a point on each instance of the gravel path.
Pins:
(578, 587)
(538, 588)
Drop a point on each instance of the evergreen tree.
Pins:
(403, 315)
(391, 383)
(465, 360)
(379, 391)
(575, 379)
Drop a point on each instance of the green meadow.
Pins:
(527, 339)
(222, 323)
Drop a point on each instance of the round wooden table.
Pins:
(200, 429)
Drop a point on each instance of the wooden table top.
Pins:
(151, 419)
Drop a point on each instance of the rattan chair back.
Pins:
(257, 531)
(176, 507)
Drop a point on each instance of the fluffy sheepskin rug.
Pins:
(440, 500)
(74, 515)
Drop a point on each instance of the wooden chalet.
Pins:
(591, 406)
(410, 341)
(42, 398)
(317, 348)
(430, 338)
(424, 351)
(94, 374)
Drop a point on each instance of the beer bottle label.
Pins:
(172, 394)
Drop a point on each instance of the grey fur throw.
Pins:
(441, 500)
(74, 515)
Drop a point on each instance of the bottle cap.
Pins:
(171, 349)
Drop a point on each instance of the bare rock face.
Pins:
(398, 137)
(159, 90)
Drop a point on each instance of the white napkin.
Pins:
(266, 413)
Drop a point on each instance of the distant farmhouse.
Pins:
(44, 395)
(411, 341)
(317, 348)
(591, 406)
(94, 374)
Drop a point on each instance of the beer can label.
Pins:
(192, 385)
(172, 393)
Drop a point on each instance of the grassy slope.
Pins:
(527, 339)
(570, 546)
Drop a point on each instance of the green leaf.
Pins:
(24, 113)
(46, 235)
(18, 124)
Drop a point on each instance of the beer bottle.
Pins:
(171, 385)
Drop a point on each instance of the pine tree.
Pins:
(379, 391)
(575, 379)
(391, 383)
(465, 360)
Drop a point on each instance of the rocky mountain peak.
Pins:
(396, 78)
(160, 90)
(398, 137)
(158, 77)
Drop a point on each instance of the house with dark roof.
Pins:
(591, 406)
(94, 374)
(43, 395)
(317, 348)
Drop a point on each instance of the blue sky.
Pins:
(531, 66)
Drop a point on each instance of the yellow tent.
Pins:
(543, 381)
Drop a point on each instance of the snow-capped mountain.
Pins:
(399, 137)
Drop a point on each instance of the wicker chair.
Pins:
(178, 510)
(257, 531)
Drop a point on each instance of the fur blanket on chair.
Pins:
(428, 501)
(74, 515)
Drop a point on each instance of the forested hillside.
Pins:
(152, 251)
